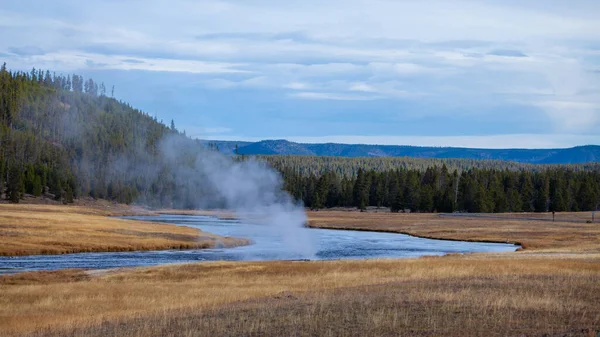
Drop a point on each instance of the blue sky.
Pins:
(486, 73)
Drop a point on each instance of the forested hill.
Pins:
(63, 137)
(575, 155)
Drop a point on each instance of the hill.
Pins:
(574, 155)
(63, 138)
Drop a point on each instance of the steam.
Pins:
(208, 179)
(178, 172)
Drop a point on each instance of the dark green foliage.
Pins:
(62, 137)
(14, 185)
(361, 190)
(587, 197)
(541, 201)
(438, 190)
(68, 195)
(68, 138)
(36, 189)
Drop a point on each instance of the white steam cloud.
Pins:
(249, 188)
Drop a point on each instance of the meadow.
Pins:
(53, 229)
(570, 232)
(551, 287)
(454, 295)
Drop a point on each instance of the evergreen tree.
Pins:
(588, 195)
(68, 196)
(527, 193)
(14, 187)
(37, 186)
(557, 196)
(541, 195)
(426, 199)
(361, 190)
(412, 191)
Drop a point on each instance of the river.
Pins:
(327, 244)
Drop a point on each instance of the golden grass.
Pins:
(453, 295)
(50, 229)
(559, 236)
(552, 287)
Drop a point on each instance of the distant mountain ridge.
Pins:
(574, 155)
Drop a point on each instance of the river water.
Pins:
(266, 244)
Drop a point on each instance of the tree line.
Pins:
(437, 189)
(343, 166)
(62, 137)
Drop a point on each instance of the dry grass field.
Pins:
(570, 232)
(52, 229)
(551, 288)
(478, 295)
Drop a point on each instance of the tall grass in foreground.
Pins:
(479, 295)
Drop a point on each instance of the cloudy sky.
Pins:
(485, 73)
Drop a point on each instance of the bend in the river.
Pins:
(267, 244)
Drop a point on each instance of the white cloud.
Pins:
(457, 51)
(330, 96)
(73, 60)
(409, 69)
(296, 86)
(572, 116)
(363, 87)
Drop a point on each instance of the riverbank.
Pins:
(566, 236)
(570, 233)
(27, 229)
(459, 295)
(53, 229)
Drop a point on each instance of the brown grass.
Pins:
(51, 229)
(559, 236)
(552, 288)
(454, 295)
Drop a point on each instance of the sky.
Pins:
(476, 73)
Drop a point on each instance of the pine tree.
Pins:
(29, 179)
(68, 196)
(361, 190)
(587, 196)
(412, 191)
(541, 195)
(37, 186)
(397, 203)
(527, 193)
(14, 186)
(557, 196)
(426, 199)
(2, 175)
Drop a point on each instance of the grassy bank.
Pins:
(52, 229)
(570, 233)
(453, 295)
